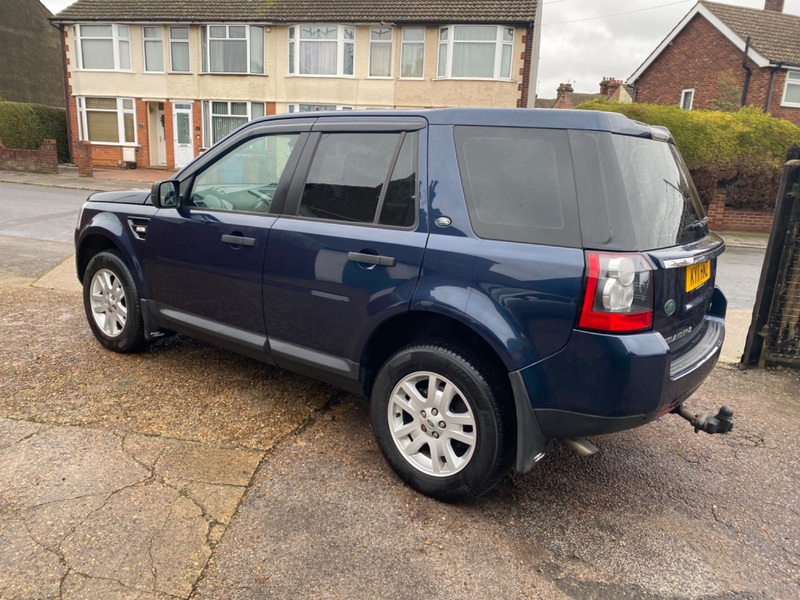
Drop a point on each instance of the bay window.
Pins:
(232, 49)
(103, 47)
(380, 52)
(326, 50)
(153, 49)
(107, 120)
(475, 52)
(221, 117)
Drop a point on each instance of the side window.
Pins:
(519, 184)
(246, 178)
(363, 178)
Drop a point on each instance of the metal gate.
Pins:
(774, 336)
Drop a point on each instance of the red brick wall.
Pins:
(695, 59)
(42, 160)
(197, 126)
(721, 218)
(524, 86)
(738, 219)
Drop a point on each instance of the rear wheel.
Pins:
(111, 302)
(443, 421)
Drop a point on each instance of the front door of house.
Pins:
(182, 134)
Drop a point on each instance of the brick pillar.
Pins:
(85, 159)
(716, 211)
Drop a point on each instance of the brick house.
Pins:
(727, 56)
(155, 82)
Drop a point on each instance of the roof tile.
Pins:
(498, 11)
(774, 35)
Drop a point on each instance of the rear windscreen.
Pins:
(634, 193)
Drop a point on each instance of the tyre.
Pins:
(443, 420)
(111, 302)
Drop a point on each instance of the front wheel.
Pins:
(111, 302)
(442, 419)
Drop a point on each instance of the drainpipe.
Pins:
(774, 72)
(747, 71)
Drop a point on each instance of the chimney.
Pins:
(604, 86)
(773, 5)
(564, 88)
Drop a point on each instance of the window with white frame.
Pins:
(326, 50)
(232, 49)
(153, 49)
(791, 93)
(687, 99)
(475, 52)
(293, 108)
(221, 117)
(179, 49)
(412, 53)
(103, 47)
(380, 52)
(107, 120)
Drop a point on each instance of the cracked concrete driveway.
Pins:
(190, 472)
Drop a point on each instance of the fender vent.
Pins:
(138, 226)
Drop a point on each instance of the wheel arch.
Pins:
(106, 232)
(408, 327)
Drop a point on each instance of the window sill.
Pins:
(204, 73)
(117, 144)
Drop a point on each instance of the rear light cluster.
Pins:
(618, 296)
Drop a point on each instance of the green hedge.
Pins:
(742, 152)
(26, 126)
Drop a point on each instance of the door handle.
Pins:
(371, 259)
(238, 240)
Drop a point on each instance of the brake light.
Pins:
(618, 295)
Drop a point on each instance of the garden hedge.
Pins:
(26, 126)
(741, 152)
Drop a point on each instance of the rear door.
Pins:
(347, 253)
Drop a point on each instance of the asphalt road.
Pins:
(190, 472)
(36, 227)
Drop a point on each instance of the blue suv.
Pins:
(492, 280)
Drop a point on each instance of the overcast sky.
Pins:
(586, 40)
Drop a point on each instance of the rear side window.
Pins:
(363, 178)
(519, 184)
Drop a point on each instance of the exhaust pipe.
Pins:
(582, 446)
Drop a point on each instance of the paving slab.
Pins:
(88, 510)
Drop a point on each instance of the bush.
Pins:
(26, 126)
(742, 152)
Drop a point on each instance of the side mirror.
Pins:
(166, 194)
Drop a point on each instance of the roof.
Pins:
(774, 36)
(372, 11)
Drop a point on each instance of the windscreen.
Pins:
(634, 193)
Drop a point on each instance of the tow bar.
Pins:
(722, 422)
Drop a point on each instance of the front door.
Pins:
(157, 142)
(182, 134)
(205, 258)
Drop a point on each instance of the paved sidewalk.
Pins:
(104, 180)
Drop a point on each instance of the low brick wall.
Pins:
(723, 218)
(42, 160)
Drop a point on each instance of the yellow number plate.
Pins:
(697, 275)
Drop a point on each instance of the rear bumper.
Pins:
(605, 383)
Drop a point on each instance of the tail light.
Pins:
(618, 296)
